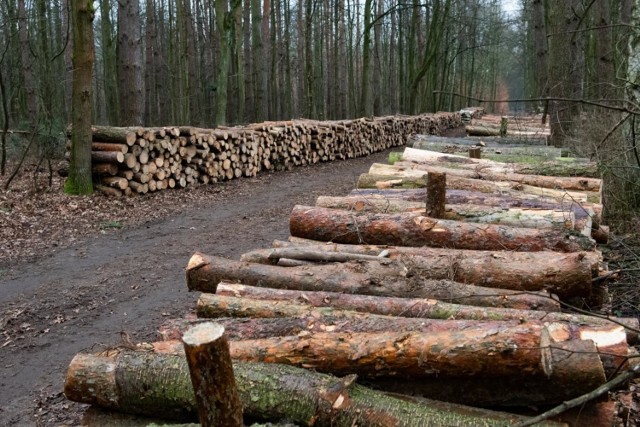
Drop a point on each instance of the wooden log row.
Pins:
(152, 159)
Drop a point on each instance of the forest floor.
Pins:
(84, 273)
(77, 273)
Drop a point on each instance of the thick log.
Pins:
(103, 169)
(115, 182)
(207, 352)
(610, 337)
(417, 179)
(107, 157)
(107, 146)
(436, 191)
(521, 271)
(114, 192)
(515, 217)
(474, 352)
(126, 136)
(430, 142)
(567, 381)
(150, 383)
(557, 169)
(512, 200)
(482, 130)
(408, 229)
(362, 277)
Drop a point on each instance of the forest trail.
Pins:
(121, 285)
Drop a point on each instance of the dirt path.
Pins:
(128, 281)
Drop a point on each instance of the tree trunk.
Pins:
(80, 180)
(207, 353)
(392, 278)
(137, 382)
(515, 217)
(415, 179)
(407, 229)
(362, 312)
(129, 63)
(436, 191)
(531, 271)
(511, 200)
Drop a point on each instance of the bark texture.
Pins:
(155, 384)
(415, 230)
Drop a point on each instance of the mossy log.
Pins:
(511, 200)
(149, 383)
(408, 229)
(515, 217)
(417, 179)
(389, 278)
(524, 271)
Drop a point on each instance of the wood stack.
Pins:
(512, 126)
(372, 290)
(139, 160)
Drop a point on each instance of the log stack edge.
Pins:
(138, 160)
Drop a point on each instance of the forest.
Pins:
(226, 62)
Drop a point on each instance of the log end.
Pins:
(92, 379)
(203, 333)
(197, 260)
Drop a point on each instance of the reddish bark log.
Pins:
(408, 229)
(364, 277)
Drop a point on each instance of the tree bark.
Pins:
(129, 64)
(417, 179)
(362, 312)
(530, 271)
(515, 217)
(407, 229)
(80, 180)
(211, 371)
(148, 383)
(364, 277)
(436, 191)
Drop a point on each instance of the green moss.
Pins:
(395, 156)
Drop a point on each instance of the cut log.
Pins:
(207, 353)
(114, 135)
(408, 229)
(482, 130)
(511, 200)
(149, 383)
(436, 191)
(515, 217)
(610, 337)
(577, 371)
(103, 169)
(416, 179)
(523, 271)
(557, 169)
(474, 352)
(107, 157)
(115, 182)
(363, 277)
(107, 146)
(114, 192)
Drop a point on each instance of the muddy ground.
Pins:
(86, 292)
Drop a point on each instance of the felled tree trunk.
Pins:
(363, 277)
(515, 217)
(610, 337)
(416, 179)
(531, 271)
(148, 383)
(407, 229)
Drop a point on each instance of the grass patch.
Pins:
(105, 225)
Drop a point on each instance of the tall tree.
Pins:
(107, 37)
(27, 64)
(225, 24)
(129, 63)
(79, 180)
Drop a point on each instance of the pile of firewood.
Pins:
(138, 160)
(370, 295)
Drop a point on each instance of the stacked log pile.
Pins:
(511, 126)
(461, 309)
(139, 160)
